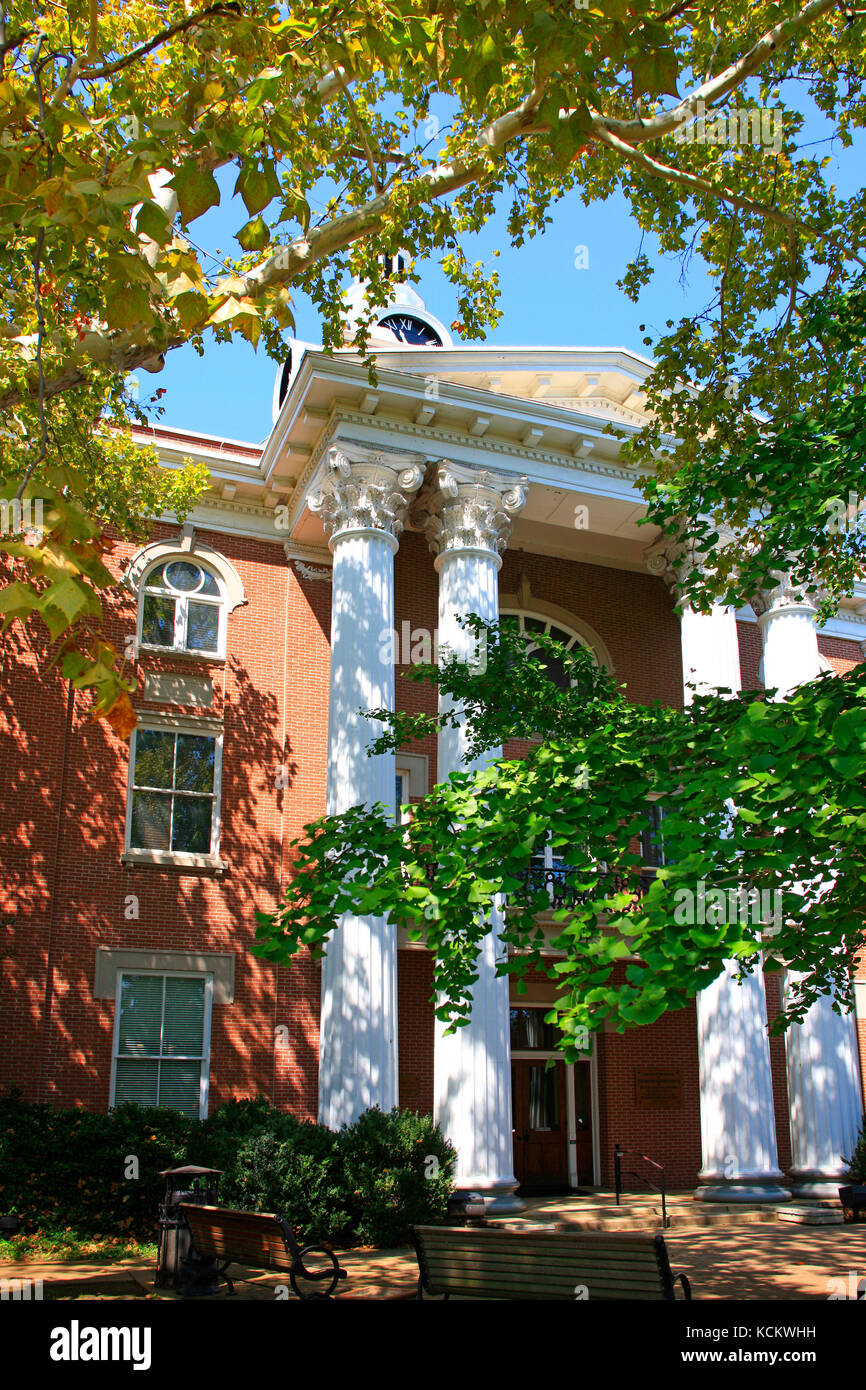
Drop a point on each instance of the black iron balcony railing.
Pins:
(561, 880)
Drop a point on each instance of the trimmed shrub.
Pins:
(297, 1175)
(397, 1168)
(214, 1142)
(66, 1168)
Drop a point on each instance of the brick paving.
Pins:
(753, 1256)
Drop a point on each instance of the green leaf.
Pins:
(197, 190)
(151, 221)
(257, 187)
(254, 235)
(655, 72)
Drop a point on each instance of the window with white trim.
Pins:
(182, 608)
(174, 786)
(162, 1040)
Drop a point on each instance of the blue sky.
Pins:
(545, 300)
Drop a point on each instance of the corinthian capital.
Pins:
(366, 489)
(784, 595)
(673, 560)
(471, 509)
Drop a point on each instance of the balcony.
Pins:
(560, 880)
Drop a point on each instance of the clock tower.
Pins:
(404, 321)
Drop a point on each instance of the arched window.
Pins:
(532, 623)
(546, 867)
(182, 608)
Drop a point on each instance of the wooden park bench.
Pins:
(259, 1239)
(495, 1262)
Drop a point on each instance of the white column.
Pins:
(711, 652)
(469, 526)
(825, 1098)
(824, 1091)
(738, 1128)
(786, 620)
(362, 500)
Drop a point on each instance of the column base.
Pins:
(812, 1182)
(749, 1188)
(497, 1198)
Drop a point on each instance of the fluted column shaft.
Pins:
(825, 1097)
(472, 1066)
(362, 504)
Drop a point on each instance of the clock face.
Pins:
(407, 329)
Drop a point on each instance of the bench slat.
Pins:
(252, 1238)
(496, 1263)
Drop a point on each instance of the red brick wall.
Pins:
(65, 777)
(631, 612)
(842, 655)
(772, 984)
(750, 655)
(669, 1136)
(271, 691)
(416, 1023)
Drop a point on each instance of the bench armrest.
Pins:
(687, 1288)
(335, 1273)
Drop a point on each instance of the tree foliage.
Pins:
(765, 809)
(356, 129)
(787, 498)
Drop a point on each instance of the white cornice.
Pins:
(411, 386)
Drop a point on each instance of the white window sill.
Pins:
(214, 658)
(174, 860)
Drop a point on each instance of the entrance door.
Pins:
(540, 1125)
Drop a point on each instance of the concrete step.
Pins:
(643, 1221)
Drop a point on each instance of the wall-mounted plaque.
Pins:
(658, 1088)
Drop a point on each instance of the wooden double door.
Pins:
(540, 1123)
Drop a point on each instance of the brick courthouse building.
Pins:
(469, 479)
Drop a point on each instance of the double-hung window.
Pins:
(174, 792)
(162, 1040)
(182, 609)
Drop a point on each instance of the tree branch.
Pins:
(637, 132)
(695, 184)
(125, 351)
(122, 352)
(79, 72)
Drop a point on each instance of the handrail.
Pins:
(618, 1153)
(557, 880)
